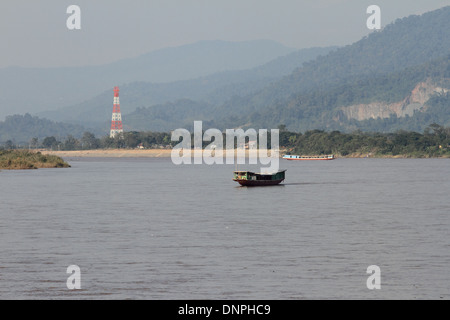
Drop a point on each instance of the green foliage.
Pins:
(50, 143)
(89, 141)
(25, 159)
(435, 141)
(127, 140)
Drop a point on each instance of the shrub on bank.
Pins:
(25, 159)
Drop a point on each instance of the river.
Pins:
(143, 228)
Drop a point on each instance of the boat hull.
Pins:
(258, 183)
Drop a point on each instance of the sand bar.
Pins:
(113, 153)
(120, 153)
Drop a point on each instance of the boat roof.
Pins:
(243, 171)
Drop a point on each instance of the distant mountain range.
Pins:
(20, 129)
(34, 90)
(396, 78)
(209, 91)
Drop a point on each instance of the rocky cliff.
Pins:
(416, 101)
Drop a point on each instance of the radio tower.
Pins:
(116, 123)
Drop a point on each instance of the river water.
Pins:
(147, 229)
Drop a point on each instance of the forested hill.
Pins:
(407, 42)
(19, 129)
(395, 78)
(410, 99)
(214, 89)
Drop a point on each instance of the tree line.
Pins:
(88, 141)
(433, 142)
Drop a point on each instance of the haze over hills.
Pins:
(381, 75)
(396, 78)
(20, 129)
(34, 90)
(209, 90)
(410, 99)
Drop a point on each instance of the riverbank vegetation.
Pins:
(25, 159)
(433, 142)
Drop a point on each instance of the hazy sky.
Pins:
(34, 33)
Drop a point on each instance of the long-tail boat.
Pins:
(252, 179)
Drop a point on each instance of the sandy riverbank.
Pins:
(166, 153)
(116, 153)
(112, 153)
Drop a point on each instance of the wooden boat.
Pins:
(294, 157)
(251, 179)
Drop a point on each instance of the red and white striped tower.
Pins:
(116, 123)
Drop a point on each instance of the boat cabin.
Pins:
(252, 176)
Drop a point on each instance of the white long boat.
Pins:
(295, 157)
